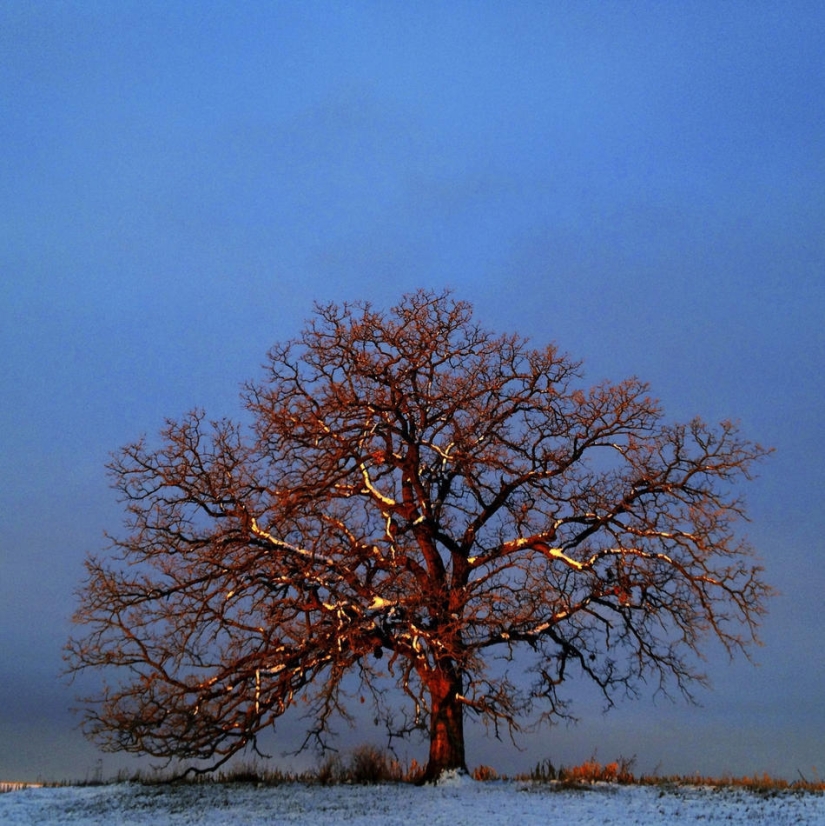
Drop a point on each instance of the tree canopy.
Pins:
(409, 500)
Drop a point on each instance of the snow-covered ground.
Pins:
(452, 804)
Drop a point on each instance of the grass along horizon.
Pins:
(370, 765)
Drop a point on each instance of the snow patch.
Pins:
(455, 779)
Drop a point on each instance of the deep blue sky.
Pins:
(643, 183)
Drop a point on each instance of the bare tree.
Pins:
(411, 501)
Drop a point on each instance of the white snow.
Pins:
(457, 801)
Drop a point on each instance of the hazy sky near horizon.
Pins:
(641, 182)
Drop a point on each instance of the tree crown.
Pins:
(412, 485)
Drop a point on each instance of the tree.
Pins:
(411, 501)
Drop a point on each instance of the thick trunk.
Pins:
(446, 725)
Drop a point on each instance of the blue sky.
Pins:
(643, 183)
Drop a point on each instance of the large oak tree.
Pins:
(411, 500)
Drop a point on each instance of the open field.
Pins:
(456, 802)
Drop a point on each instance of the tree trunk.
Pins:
(446, 725)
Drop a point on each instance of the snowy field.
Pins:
(453, 804)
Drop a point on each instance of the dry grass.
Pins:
(13, 786)
(365, 765)
(621, 771)
(591, 771)
(484, 774)
(756, 783)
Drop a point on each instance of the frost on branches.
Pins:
(409, 497)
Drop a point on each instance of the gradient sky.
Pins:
(642, 183)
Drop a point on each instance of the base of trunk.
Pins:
(446, 729)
